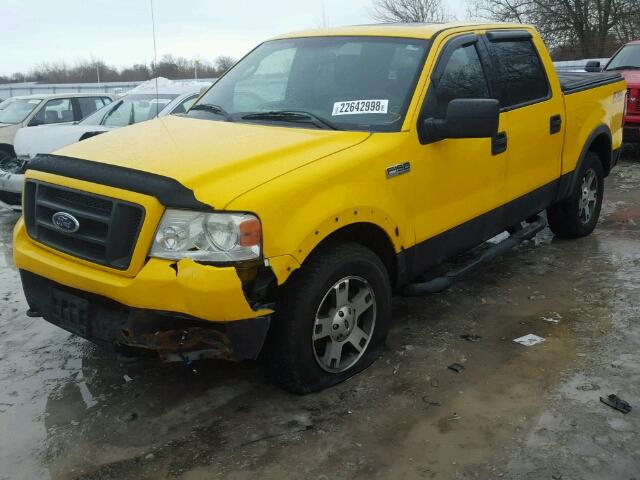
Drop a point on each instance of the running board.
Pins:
(440, 284)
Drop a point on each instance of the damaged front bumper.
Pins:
(174, 337)
(168, 307)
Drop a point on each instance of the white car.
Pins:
(141, 104)
(29, 111)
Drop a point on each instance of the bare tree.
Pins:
(410, 11)
(224, 63)
(589, 28)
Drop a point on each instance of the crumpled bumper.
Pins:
(173, 337)
(11, 185)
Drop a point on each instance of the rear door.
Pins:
(534, 111)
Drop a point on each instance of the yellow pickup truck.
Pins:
(325, 171)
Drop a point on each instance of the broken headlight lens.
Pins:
(207, 237)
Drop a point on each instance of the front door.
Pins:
(457, 180)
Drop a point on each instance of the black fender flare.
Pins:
(568, 180)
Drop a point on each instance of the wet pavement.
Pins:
(69, 410)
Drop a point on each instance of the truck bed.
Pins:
(573, 82)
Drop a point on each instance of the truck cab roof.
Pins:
(405, 30)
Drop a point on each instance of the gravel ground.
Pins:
(69, 410)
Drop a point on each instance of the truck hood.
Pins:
(217, 160)
(48, 138)
(632, 77)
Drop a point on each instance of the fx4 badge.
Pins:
(401, 168)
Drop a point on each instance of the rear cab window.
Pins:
(519, 75)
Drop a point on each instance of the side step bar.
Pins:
(440, 284)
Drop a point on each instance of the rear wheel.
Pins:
(332, 319)
(578, 215)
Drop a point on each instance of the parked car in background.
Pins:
(141, 104)
(627, 62)
(34, 110)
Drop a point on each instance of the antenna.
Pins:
(155, 57)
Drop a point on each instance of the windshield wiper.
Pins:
(624, 67)
(217, 109)
(294, 116)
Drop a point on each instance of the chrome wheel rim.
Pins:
(588, 196)
(344, 324)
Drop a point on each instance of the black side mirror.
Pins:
(592, 66)
(465, 118)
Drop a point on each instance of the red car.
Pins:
(627, 62)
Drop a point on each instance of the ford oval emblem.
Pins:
(65, 222)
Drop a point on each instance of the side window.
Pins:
(185, 105)
(520, 75)
(88, 105)
(462, 77)
(54, 111)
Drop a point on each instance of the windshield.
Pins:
(16, 110)
(131, 109)
(350, 83)
(628, 58)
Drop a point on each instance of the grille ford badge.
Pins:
(65, 222)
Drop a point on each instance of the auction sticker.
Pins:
(360, 107)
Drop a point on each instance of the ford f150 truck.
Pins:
(325, 171)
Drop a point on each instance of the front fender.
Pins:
(302, 208)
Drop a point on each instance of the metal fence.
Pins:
(16, 89)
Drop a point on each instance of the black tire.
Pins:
(565, 219)
(292, 362)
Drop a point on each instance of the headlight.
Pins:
(207, 237)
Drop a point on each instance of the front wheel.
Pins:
(578, 215)
(332, 319)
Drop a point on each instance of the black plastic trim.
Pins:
(499, 143)
(508, 35)
(555, 124)
(574, 82)
(432, 252)
(168, 191)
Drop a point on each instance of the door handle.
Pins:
(555, 124)
(499, 143)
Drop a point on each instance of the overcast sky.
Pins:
(119, 31)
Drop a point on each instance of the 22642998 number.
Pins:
(360, 107)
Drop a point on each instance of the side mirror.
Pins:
(465, 118)
(592, 66)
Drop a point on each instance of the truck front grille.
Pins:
(106, 230)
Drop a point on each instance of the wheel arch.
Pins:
(599, 142)
(367, 234)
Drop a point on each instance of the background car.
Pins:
(33, 110)
(626, 61)
(141, 104)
